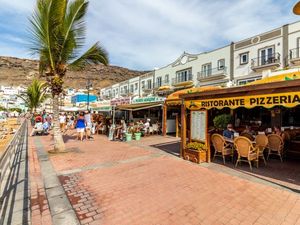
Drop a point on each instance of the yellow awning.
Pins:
(173, 99)
(288, 100)
(164, 88)
(277, 78)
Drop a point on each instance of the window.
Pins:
(143, 84)
(114, 93)
(206, 70)
(131, 88)
(221, 64)
(149, 84)
(185, 75)
(122, 90)
(246, 81)
(244, 58)
(117, 91)
(125, 89)
(267, 56)
(167, 78)
(158, 81)
(135, 86)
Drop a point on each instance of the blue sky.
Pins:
(144, 34)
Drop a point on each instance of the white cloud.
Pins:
(143, 34)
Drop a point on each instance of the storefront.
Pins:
(172, 108)
(143, 108)
(264, 103)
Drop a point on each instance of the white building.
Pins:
(237, 63)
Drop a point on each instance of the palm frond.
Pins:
(95, 55)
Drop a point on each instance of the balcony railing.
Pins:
(265, 61)
(215, 72)
(159, 84)
(294, 54)
(182, 79)
(124, 92)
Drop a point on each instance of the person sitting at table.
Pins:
(229, 132)
(249, 130)
(38, 128)
(146, 126)
(277, 130)
(119, 129)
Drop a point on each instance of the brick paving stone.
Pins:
(162, 189)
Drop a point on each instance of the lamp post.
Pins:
(88, 86)
(296, 9)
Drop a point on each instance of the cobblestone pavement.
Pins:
(127, 183)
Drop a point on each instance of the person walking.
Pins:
(80, 126)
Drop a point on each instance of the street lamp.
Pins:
(88, 86)
(296, 9)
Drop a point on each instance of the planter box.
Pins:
(194, 155)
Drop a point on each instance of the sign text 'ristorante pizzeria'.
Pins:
(289, 99)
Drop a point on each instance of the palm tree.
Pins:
(58, 34)
(35, 94)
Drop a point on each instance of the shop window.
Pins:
(246, 81)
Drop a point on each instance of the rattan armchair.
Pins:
(222, 149)
(246, 151)
(261, 141)
(275, 146)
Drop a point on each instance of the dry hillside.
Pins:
(15, 71)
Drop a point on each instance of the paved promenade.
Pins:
(115, 183)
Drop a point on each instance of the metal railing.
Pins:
(8, 159)
(181, 79)
(265, 60)
(212, 72)
(294, 53)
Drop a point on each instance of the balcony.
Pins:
(294, 56)
(183, 80)
(212, 74)
(265, 63)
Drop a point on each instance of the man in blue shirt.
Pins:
(229, 132)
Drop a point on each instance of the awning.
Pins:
(141, 106)
(173, 99)
(287, 99)
(277, 78)
(164, 88)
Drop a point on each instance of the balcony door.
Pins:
(267, 55)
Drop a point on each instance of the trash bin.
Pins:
(137, 136)
(128, 137)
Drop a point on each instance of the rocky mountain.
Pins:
(15, 71)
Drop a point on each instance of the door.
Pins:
(267, 56)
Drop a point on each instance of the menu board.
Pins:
(198, 125)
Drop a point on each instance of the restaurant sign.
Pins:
(120, 101)
(289, 100)
(148, 100)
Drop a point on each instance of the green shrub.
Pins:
(222, 120)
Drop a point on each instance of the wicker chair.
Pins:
(275, 146)
(221, 148)
(246, 151)
(261, 144)
(247, 135)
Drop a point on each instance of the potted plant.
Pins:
(221, 121)
(137, 133)
(196, 152)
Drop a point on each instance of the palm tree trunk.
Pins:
(59, 145)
